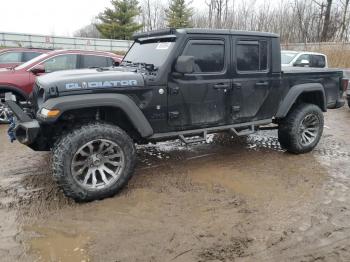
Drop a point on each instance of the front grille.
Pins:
(34, 97)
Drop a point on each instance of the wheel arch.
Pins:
(119, 102)
(304, 93)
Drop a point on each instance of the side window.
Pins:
(301, 58)
(90, 61)
(29, 56)
(11, 57)
(62, 62)
(208, 57)
(252, 56)
(318, 61)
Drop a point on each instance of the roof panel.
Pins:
(202, 31)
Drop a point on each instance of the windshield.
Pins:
(155, 52)
(286, 57)
(34, 60)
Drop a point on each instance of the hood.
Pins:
(90, 79)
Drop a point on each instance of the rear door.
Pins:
(199, 99)
(251, 79)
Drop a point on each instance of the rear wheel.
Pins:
(93, 162)
(302, 129)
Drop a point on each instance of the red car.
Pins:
(20, 80)
(15, 56)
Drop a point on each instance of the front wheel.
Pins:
(93, 162)
(302, 129)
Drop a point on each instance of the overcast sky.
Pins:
(59, 17)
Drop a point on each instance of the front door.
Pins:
(252, 82)
(200, 99)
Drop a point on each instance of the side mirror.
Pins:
(303, 63)
(185, 64)
(38, 69)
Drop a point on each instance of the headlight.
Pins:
(49, 113)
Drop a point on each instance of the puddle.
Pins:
(53, 245)
(253, 174)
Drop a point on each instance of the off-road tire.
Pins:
(66, 147)
(289, 128)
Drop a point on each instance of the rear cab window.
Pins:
(252, 56)
(209, 55)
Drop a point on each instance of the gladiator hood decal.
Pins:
(89, 79)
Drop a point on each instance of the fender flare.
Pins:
(15, 90)
(123, 102)
(294, 93)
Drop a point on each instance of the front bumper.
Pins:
(25, 128)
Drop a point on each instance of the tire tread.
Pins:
(62, 147)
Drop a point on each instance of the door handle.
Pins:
(221, 86)
(262, 84)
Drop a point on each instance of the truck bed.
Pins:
(329, 78)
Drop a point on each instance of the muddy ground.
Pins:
(227, 200)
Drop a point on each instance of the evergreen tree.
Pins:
(179, 14)
(118, 22)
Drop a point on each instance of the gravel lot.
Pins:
(228, 200)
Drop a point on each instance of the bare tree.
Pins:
(327, 20)
(88, 31)
(152, 14)
(294, 20)
(345, 20)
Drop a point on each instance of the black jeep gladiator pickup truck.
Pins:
(174, 83)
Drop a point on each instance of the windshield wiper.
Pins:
(148, 67)
(140, 65)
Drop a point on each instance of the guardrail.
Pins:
(58, 42)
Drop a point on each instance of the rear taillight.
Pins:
(345, 84)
